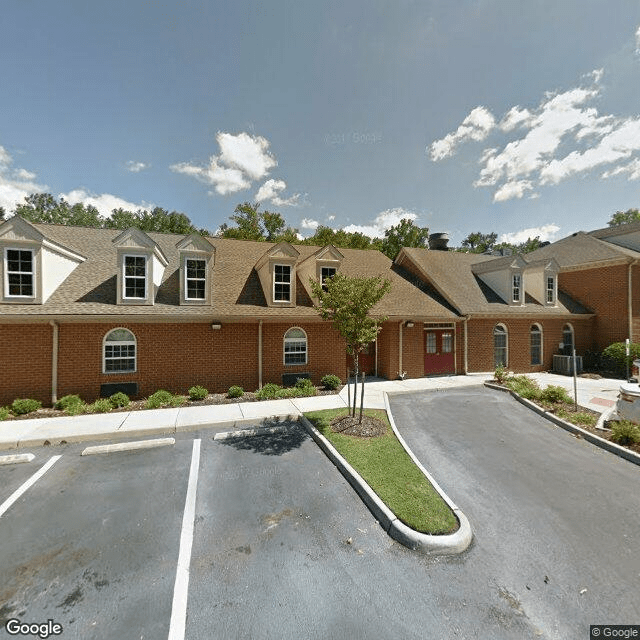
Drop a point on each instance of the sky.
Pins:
(521, 118)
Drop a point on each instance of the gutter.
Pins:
(400, 351)
(629, 298)
(466, 346)
(54, 363)
(260, 354)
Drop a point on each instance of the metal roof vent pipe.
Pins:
(438, 241)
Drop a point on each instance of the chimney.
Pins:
(438, 241)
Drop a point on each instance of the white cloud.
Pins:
(136, 167)
(547, 232)
(562, 137)
(382, 222)
(270, 190)
(476, 126)
(306, 223)
(105, 203)
(331, 218)
(638, 41)
(242, 159)
(15, 184)
(633, 169)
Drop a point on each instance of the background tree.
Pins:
(43, 207)
(158, 219)
(260, 226)
(347, 302)
(624, 217)
(479, 242)
(3, 213)
(404, 234)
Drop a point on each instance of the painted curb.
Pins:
(16, 458)
(259, 431)
(128, 446)
(430, 544)
(611, 447)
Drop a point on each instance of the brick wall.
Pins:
(388, 364)
(25, 362)
(604, 291)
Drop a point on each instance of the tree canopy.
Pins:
(404, 234)
(260, 226)
(624, 217)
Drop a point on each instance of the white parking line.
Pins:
(181, 588)
(29, 483)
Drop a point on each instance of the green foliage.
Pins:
(4, 413)
(119, 399)
(625, 432)
(330, 381)
(252, 224)
(404, 234)
(524, 386)
(501, 373)
(101, 405)
(77, 408)
(158, 399)
(178, 401)
(198, 393)
(235, 392)
(43, 207)
(624, 217)
(67, 401)
(290, 392)
(306, 386)
(480, 242)
(554, 394)
(21, 406)
(341, 238)
(617, 354)
(268, 391)
(158, 219)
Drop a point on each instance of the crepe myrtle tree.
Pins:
(347, 301)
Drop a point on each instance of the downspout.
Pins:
(54, 363)
(376, 352)
(400, 354)
(260, 354)
(629, 299)
(466, 347)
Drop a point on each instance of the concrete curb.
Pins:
(430, 544)
(612, 447)
(16, 458)
(246, 433)
(128, 446)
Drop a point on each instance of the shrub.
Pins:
(76, 408)
(330, 381)
(268, 391)
(523, 386)
(554, 394)
(101, 405)
(306, 387)
(501, 373)
(617, 355)
(625, 432)
(235, 392)
(66, 401)
(177, 401)
(119, 399)
(158, 399)
(4, 413)
(20, 406)
(290, 392)
(198, 393)
(581, 418)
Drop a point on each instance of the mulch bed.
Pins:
(370, 427)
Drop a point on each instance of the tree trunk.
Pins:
(356, 364)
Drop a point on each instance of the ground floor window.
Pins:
(567, 340)
(536, 344)
(295, 346)
(500, 345)
(119, 353)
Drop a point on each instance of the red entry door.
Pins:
(438, 351)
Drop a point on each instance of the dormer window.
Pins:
(282, 283)
(135, 277)
(19, 273)
(551, 289)
(516, 286)
(196, 279)
(325, 273)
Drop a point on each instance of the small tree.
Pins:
(347, 302)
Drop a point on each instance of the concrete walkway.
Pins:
(595, 394)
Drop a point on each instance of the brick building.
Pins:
(89, 310)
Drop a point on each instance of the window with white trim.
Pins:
(567, 340)
(500, 345)
(135, 277)
(295, 346)
(517, 280)
(19, 273)
(431, 342)
(536, 344)
(551, 289)
(447, 343)
(326, 272)
(195, 279)
(119, 352)
(281, 283)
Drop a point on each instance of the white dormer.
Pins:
(506, 276)
(277, 272)
(197, 257)
(141, 265)
(32, 267)
(322, 264)
(542, 281)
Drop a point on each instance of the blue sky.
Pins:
(491, 115)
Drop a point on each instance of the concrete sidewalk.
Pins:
(595, 394)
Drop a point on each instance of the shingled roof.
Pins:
(90, 290)
(451, 272)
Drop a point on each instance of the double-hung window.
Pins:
(196, 279)
(500, 345)
(326, 272)
(135, 277)
(295, 346)
(19, 273)
(281, 283)
(536, 344)
(516, 284)
(119, 352)
(551, 289)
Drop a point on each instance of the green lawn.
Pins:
(391, 473)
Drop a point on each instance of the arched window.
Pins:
(500, 345)
(119, 352)
(536, 344)
(567, 340)
(295, 346)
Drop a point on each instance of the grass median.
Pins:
(391, 473)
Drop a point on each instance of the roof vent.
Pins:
(438, 241)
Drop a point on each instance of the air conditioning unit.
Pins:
(564, 364)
